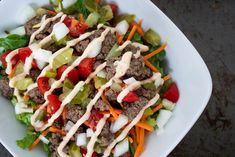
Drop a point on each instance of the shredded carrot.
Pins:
(133, 135)
(81, 18)
(98, 1)
(153, 68)
(167, 77)
(133, 30)
(51, 12)
(139, 28)
(11, 75)
(158, 107)
(145, 126)
(64, 113)
(56, 130)
(34, 144)
(130, 139)
(112, 111)
(117, 111)
(26, 97)
(151, 54)
(111, 119)
(120, 39)
(140, 147)
(137, 130)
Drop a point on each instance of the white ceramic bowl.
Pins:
(187, 69)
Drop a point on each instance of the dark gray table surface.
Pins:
(210, 26)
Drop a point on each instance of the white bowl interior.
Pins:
(187, 69)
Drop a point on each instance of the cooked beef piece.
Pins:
(34, 73)
(80, 47)
(53, 47)
(74, 113)
(92, 91)
(106, 136)
(127, 154)
(111, 95)
(107, 45)
(110, 68)
(3, 72)
(36, 96)
(132, 109)
(147, 93)
(96, 34)
(101, 105)
(36, 20)
(97, 63)
(55, 141)
(138, 70)
(5, 89)
(131, 48)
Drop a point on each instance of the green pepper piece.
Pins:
(23, 84)
(74, 150)
(99, 81)
(63, 58)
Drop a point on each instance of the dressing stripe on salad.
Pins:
(87, 80)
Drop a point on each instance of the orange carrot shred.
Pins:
(145, 126)
(98, 1)
(81, 18)
(151, 54)
(140, 147)
(112, 111)
(130, 139)
(120, 39)
(117, 111)
(56, 130)
(153, 68)
(167, 77)
(133, 30)
(34, 144)
(158, 107)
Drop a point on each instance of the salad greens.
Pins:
(24, 118)
(12, 42)
(27, 140)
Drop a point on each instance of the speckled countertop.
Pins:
(210, 26)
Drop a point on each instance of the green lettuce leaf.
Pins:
(78, 7)
(91, 5)
(13, 41)
(24, 118)
(27, 140)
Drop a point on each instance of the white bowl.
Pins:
(187, 69)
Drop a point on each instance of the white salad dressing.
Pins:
(136, 85)
(126, 130)
(93, 45)
(43, 25)
(92, 50)
(120, 71)
(99, 127)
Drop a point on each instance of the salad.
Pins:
(86, 80)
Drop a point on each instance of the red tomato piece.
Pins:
(3, 56)
(23, 53)
(83, 151)
(131, 97)
(43, 84)
(172, 93)
(73, 75)
(94, 119)
(85, 67)
(114, 8)
(54, 103)
(76, 28)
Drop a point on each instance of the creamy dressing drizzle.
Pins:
(129, 126)
(120, 71)
(136, 85)
(43, 25)
(93, 45)
(99, 127)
